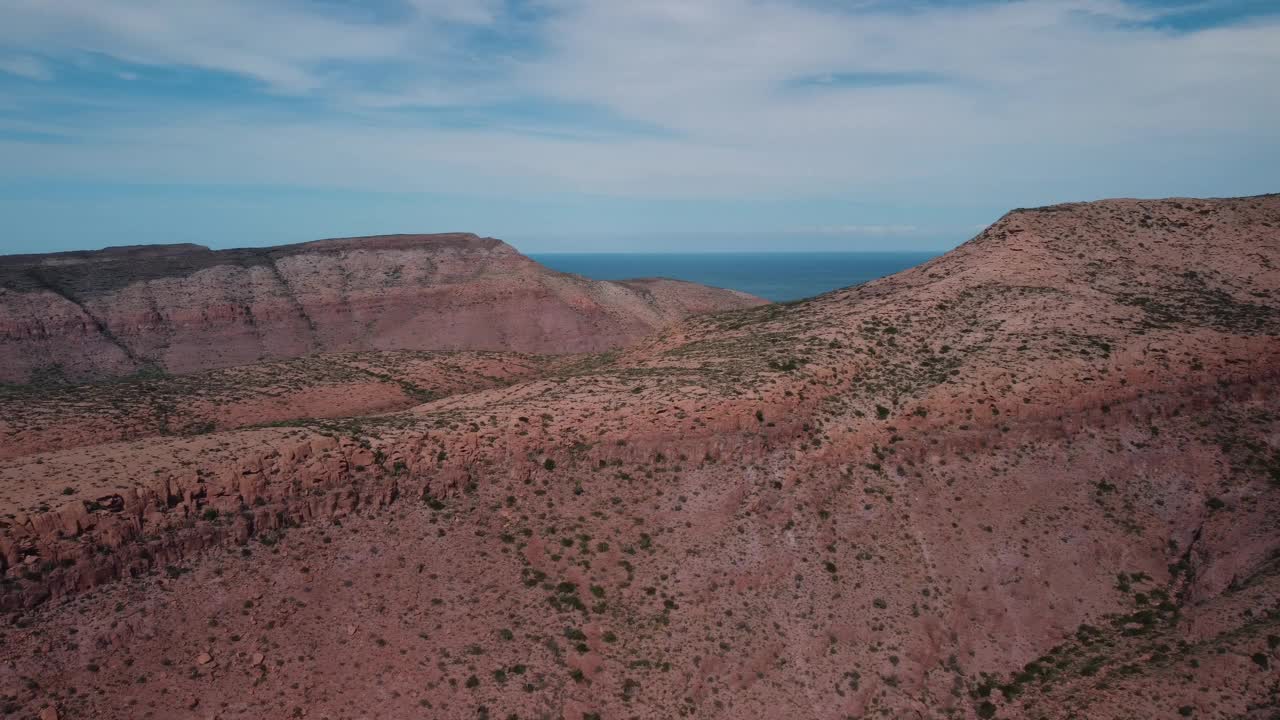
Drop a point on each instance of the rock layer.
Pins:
(182, 308)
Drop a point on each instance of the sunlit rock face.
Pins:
(181, 308)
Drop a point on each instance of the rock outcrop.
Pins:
(182, 308)
(1037, 477)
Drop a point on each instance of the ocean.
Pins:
(776, 276)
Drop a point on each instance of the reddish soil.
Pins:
(1038, 477)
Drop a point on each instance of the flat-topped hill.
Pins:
(182, 308)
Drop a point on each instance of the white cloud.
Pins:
(25, 67)
(470, 12)
(1052, 95)
(1017, 70)
(872, 230)
(277, 43)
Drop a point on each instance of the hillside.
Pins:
(35, 418)
(1037, 477)
(183, 308)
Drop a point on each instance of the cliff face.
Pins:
(1038, 477)
(183, 308)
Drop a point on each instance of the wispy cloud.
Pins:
(25, 66)
(872, 230)
(998, 103)
(867, 79)
(278, 44)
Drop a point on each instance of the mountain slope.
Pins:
(181, 308)
(39, 418)
(1037, 477)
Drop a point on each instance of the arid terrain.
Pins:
(1037, 477)
(183, 308)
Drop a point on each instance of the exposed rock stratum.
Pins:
(182, 308)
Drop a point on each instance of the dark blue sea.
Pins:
(774, 276)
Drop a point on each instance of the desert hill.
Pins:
(1037, 477)
(182, 308)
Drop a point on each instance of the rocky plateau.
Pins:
(184, 308)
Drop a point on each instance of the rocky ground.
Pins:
(1038, 477)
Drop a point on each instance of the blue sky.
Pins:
(616, 125)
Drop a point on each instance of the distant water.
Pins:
(774, 276)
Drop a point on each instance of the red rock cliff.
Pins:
(181, 308)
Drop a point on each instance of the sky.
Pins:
(618, 125)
